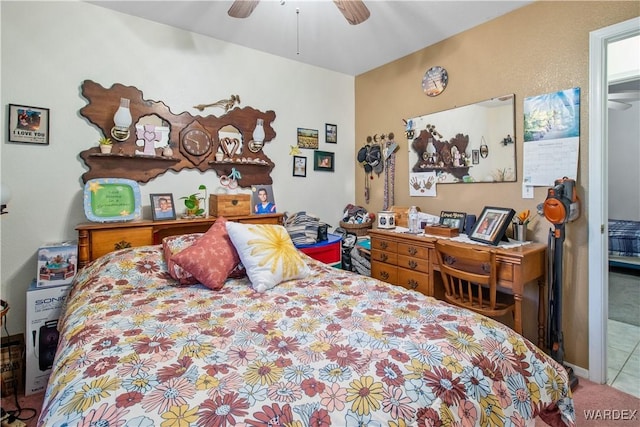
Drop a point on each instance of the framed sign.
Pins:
(453, 219)
(28, 124)
(491, 225)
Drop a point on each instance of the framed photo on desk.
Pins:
(453, 219)
(492, 224)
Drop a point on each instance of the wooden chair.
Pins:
(470, 279)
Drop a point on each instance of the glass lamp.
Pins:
(258, 137)
(122, 120)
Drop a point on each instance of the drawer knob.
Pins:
(122, 244)
(412, 251)
(384, 257)
(412, 284)
(383, 245)
(413, 264)
(384, 275)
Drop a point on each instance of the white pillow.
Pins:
(267, 253)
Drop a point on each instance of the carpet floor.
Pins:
(624, 296)
(595, 404)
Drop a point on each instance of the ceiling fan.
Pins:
(354, 11)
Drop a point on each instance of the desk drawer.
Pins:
(384, 245)
(384, 272)
(103, 242)
(505, 272)
(383, 256)
(414, 264)
(412, 250)
(412, 280)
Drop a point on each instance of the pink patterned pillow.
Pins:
(211, 258)
(172, 245)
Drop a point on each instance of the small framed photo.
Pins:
(28, 124)
(308, 138)
(475, 156)
(491, 225)
(453, 219)
(299, 166)
(323, 161)
(263, 199)
(331, 133)
(162, 206)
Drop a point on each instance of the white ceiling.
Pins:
(319, 35)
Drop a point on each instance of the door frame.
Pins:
(598, 198)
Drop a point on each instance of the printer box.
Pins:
(44, 306)
(57, 263)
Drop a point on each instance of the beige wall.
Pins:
(541, 48)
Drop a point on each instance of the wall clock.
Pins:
(435, 81)
(195, 143)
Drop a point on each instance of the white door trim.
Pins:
(598, 200)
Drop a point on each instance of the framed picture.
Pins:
(331, 133)
(299, 166)
(323, 161)
(263, 200)
(308, 138)
(28, 124)
(475, 156)
(491, 225)
(453, 219)
(162, 206)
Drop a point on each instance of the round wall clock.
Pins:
(435, 81)
(195, 143)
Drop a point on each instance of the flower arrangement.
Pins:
(523, 218)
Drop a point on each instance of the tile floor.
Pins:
(623, 357)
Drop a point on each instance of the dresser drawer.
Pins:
(384, 245)
(105, 241)
(384, 256)
(384, 272)
(415, 264)
(409, 249)
(410, 279)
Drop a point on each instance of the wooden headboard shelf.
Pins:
(123, 162)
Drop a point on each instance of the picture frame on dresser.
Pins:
(162, 206)
(453, 219)
(492, 225)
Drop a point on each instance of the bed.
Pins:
(624, 243)
(332, 348)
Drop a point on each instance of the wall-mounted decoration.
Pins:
(299, 166)
(28, 124)
(475, 157)
(308, 138)
(480, 126)
(196, 139)
(263, 200)
(323, 161)
(112, 200)
(331, 133)
(162, 206)
(435, 81)
(492, 224)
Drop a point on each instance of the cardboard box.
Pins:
(57, 263)
(44, 306)
(229, 204)
(11, 365)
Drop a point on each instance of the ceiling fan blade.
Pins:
(242, 8)
(632, 95)
(354, 11)
(620, 106)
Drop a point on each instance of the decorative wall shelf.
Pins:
(444, 161)
(125, 163)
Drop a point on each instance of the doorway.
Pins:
(598, 199)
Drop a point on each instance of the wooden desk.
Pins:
(97, 239)
(410, 261)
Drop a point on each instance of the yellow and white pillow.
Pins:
(267, 253)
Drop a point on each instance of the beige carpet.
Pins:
(596, 405)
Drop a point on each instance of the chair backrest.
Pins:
(469, 275)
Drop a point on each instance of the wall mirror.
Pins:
(472, 143)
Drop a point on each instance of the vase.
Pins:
(167, 151)
(105, 149)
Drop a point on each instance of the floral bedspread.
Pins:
(335, 349)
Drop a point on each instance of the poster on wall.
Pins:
(28, 124)
(551, 137)
(422, 184)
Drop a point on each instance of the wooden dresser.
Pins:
(410, 261)
(97, 239)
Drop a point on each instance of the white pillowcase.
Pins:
(267, 253)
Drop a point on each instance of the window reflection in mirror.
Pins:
(230, 141)
(459, 132)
